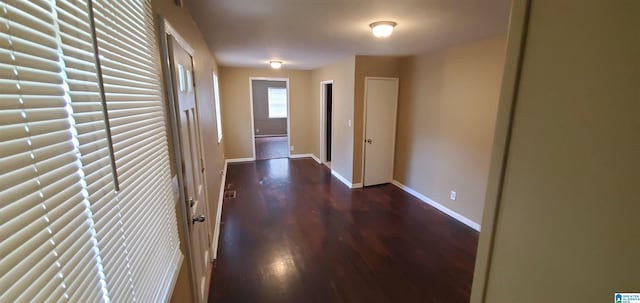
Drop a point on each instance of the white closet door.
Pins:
(381, 99)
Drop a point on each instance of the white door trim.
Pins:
(173, 32)
(253, 128)
(364, 124)
(323, 128)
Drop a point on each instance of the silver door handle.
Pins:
(369, 141)
(197, 219)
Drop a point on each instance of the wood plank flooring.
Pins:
(294, 233)
(271, 147)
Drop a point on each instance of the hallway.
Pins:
(294, 233)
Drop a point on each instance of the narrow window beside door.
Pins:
(216, 92)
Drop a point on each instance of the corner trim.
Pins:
(235, 160)
(440, 207)
(517, 38)
(312, 156)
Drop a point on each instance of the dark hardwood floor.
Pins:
(271, 147)
(294, 233)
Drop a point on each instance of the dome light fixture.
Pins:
(382, 29)
(275, 64)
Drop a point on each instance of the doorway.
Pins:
(270, 117)
(380, 107)
(326, 121)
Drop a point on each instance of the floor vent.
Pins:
(229, 194)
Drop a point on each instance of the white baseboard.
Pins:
(438, 206)
(216, 231)
(296, 156)
(274, 135)
(235, 160)
(312, 156)
(344, 180)
(316, 158)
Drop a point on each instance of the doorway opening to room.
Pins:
(326, 120)
(270, 117)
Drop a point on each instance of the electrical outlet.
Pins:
(349, 123)
(257, 130)
(452, 196)
(291, 148)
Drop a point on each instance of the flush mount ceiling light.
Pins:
(382, 29)
(275, 64)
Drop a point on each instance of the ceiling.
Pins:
(307, 34)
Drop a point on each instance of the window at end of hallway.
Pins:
(216, 92)
(277, 102)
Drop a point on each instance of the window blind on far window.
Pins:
(48, 249)
(277, 99)
(130, 63)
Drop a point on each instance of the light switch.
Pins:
(349, 123)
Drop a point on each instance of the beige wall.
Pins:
(567, 227)
(368, 66)
(446, 117)
(204, 66)
(236, 109)
(342, 73)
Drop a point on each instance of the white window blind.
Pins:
(83, 80)
(48, 250)
(277, 99)
(73, 235)
(216, 93)
(130, 63)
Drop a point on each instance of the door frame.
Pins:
(364, 124)
(323, 126)
(168, 31)
(253, 128)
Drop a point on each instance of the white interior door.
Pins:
(381, 99)
(192, 167)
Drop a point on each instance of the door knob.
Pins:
(197, 219)
(369, 141)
